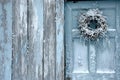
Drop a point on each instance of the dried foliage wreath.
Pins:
(92, 24)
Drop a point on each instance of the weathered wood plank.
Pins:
(35, 40)
(49, 40)
(39, 43)
(59, 39)
(5, 39)
(19, 42)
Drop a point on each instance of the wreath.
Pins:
(92, 24)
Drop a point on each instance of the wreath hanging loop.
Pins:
(92, 24)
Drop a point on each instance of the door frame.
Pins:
(61, 8)
(60, 47)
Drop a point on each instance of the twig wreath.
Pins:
(92, 24)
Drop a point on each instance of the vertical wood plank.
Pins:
(30, 38)
(35, 40)
(59, 40)
(39, 42)
(19, 42)
(5, 39)
(49, 40)
(27, 40)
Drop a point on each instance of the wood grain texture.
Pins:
(32, 39)
(59, 39)
(27, 40)
(49, 40)
(35, 40)
(5, 39)
(19, 42)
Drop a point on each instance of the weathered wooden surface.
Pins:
(49, 40)
(59, 40)
(27, 40)
(31, 48)
(19, 40)
(5, 39)
(35, 40)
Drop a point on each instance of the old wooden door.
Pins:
(92, 60)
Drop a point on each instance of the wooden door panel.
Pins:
(106, 57)
(81, 61)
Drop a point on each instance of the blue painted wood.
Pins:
(24, 55)
(49, 40)
(68, 40)
(85, 60)
(59, 40)
(19, 40)
(27, 54)
(35, 40)
(5, 40)
(39, 56)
